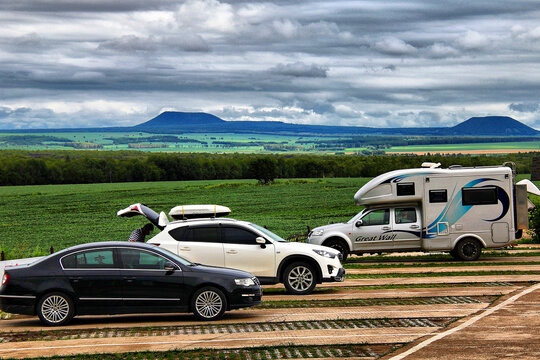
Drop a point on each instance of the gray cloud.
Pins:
(525, 108)
(414, 63)
(300, 69)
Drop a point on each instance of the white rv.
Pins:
(459, 209)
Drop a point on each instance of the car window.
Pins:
(141, 260)
(234, 235)
(92, 259)
(268, 233)
(203, 234)
(405, 215)
(376, 217)
(178, 233)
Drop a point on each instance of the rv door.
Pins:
(407, 228)
(373, 231)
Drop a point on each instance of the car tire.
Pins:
(468, 249)
(299, 278)
(55, 309)
(208, 303)
(340, 246)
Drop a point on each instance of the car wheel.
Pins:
(299, 278)
(468, 249)
(208, 303)
(340, 246)
(55, 309)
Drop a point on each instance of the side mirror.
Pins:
(169, 266)
(261, 241)
(359, 223)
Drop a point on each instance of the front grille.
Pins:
(340, 256)
(256, 281)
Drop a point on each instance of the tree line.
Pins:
(74, 167)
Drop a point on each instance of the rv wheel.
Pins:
(468, 249)
(340, 246)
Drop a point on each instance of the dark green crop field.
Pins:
(34, 218)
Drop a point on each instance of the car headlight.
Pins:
(317, 232)
(244, 282)
(324, 253)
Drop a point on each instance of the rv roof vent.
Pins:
(455, 167)
(430, 165)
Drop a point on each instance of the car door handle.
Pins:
(129, 278)
(414, 226)
(75, 278)
(185, 248)
(386, 228)
(232, 252)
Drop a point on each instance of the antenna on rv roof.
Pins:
(430, 165)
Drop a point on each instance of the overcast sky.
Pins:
(66, 63)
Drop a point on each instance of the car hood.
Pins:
(308, 247)
(221, 271)
(331, 226)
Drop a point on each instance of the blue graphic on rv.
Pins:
(397, 179)
(455, 210)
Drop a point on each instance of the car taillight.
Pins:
(5, 279)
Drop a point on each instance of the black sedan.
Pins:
(122, 278)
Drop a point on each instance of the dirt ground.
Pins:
(472, 325)
(512, 331)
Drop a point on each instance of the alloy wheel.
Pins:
(55, 308)
(209, 304)
(300, 278)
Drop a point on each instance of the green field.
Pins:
(211, 139)
(34, 218)
(238, 143)
(526, 145)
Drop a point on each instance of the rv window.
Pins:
(405, 189)
(376, 217)
(438, 196)
(479, 196)
(405, 215)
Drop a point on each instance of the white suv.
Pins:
(210, 240)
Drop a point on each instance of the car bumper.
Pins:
(24, 305)
(339, 277)
(245, 297)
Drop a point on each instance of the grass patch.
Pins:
(444, 274)
(405, 301)
(329, 290)
(67, 215)
(445, 264)
(441, 257)
(289, 351)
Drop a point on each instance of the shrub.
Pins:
(534, 222)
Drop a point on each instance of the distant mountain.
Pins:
(176, 120)
(492, 125)
(172, 122)
(179, 122)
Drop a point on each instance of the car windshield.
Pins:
(356, 217)
(268, 233)
(177, 258)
